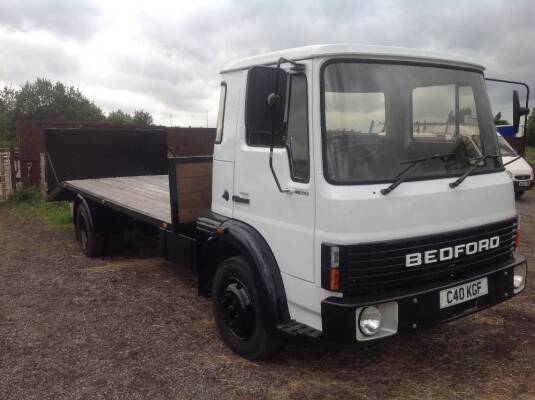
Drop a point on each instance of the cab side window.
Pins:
(297, 129)
(221, 113)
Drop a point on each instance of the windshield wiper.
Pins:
(476, 161)
(413, 163)
(513, 160)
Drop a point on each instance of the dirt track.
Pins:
(131, 326)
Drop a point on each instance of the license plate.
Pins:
(465, 292)
(524, 183)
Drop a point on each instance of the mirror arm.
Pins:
(289, 191)
(272, 101)
(527, 101)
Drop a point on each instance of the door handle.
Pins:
(239, 199)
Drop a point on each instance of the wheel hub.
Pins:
(237, 309)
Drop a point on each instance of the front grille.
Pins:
(522, 177)
(380, 266)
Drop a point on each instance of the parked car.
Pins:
(516, 167)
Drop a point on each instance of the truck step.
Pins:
(295, 328)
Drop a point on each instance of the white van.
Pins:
(516, 167)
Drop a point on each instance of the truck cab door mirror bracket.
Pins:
(274, 100)
(517, 110)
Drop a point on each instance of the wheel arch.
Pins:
(239, 238)
(80, 201)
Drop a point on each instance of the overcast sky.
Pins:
(165, 56)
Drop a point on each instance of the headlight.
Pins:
(509, 173)
(370, 321)
(519, 278)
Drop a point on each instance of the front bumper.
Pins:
(419, 307)
(520, 186)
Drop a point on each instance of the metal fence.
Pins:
(10, 172)
(6, 186)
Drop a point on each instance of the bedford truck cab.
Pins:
(353, 164)
(354, 193)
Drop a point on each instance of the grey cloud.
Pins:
(66, 18)
(27, 60)
(171, 80)
(188, 50)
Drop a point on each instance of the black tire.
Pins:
(519, 194)
(242, 328)
(92, 245)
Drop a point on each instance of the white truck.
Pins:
(342, 198)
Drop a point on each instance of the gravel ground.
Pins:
(132, 326)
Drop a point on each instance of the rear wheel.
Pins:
(92, 245)
(238, 314)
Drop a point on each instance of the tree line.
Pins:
(530, 130)
(44, 99)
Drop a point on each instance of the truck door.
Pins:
(285, 220)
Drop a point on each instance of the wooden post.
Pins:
(3, 183)
(12, 166)
(42, 169)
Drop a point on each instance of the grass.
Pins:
(7, 142)
(28, 204)
(530, 155)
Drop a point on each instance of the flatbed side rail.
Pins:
(190, 188)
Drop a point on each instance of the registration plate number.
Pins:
(524, 183)
(462, 293)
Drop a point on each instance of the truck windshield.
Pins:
(505, 148)
(376, 116)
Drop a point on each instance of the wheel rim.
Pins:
(83, 234)
(237, 309)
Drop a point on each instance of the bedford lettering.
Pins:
(449, 253)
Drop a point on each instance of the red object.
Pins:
(335, 279)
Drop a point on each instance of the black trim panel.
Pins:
(419, 307)
(381, 266)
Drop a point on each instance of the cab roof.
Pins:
(358, 51)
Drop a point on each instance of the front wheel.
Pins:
(238, 314)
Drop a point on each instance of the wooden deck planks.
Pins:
(147, 195)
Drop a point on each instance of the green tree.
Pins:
(530, 130)
(7, 107)
(119, 117)
(44, 99)
(499, 121)
(142, 118)
(463, 112)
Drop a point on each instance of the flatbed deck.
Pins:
(144, 197)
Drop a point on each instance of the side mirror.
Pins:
(518, 111)
(264, 109)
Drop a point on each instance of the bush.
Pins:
(25, 194)
(28, 204)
